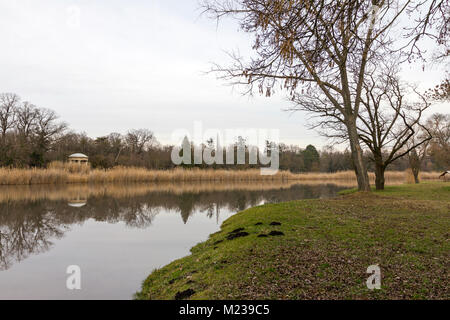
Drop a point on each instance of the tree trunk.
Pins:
(415, 163)
(357, 157)
(379, 176)
(415, 172)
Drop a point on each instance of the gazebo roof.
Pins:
(78, 155)
(77, 204)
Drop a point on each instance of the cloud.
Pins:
(114, 65)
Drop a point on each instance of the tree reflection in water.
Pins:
(28, 226)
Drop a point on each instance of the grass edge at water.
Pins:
(364, 228)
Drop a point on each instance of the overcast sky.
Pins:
(137, 64)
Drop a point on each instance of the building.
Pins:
(77, 203)
(78, 158)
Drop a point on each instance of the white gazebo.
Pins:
(79, 158)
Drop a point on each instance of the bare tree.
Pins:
(416, 157)
(319, 52)
(139, 140)
(47, 127)
(389, 123)
(321, 48)
(27, 114)
(441, 92)
(46, 130)
(431, 19)
(439, 126)
(418, 152)
(116, 141)
(9, 102)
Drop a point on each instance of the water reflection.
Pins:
(33, 219)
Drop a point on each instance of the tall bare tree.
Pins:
(439, 126)
(389, 123)
(27, 114)
(416, 157)
(320, 48)
(9, 102)
(47, 127)
(139, 139)
(319, 52)
(116, 141)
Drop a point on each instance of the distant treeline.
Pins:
(34, 137)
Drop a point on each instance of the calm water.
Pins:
(116, 234)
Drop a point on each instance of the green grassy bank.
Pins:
(323, 252)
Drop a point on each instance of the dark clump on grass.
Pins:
(276, 233)
(184, 294)
(237, 230)
(259, 224)
(172, 281)
(217, 242)
(275, 224)
(233, 236)
(263, 235)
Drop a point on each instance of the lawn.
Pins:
(321, 249)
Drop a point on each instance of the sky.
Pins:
(113, 65)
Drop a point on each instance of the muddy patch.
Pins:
(276, 233)
(236, 235)
(184, 294)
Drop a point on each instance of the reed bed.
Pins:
(61, 173)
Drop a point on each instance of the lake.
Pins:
(116, 234)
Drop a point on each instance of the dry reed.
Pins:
(64, 173)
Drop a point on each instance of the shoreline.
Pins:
(320, 249)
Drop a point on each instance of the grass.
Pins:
(325, 251)
(421, 191)
(64, 173)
